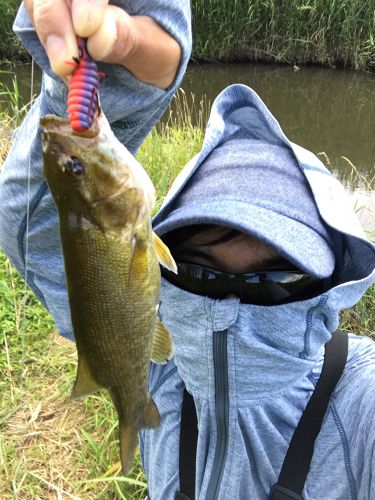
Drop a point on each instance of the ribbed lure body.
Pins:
(83, 90)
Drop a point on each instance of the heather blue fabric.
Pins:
(131, 106)
(263, 181)
(274, 353)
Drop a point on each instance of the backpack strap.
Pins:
(188, 448)
(297, 461)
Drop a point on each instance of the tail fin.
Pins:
(128, 434)
(151, 417)
(128, 444)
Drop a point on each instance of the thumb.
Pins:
(115, 38)
(87, 16)
(54, 28)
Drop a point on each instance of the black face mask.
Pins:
(264, 287)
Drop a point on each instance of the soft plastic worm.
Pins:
(83, 99)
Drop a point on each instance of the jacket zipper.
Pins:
(221, 412)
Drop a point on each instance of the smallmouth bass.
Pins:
(111, 256)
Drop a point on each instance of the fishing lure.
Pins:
(83, 97)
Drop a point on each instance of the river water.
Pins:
(331, 112)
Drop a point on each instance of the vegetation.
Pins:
(328, 32)
(10, 47)
(51, 447)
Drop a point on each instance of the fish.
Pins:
(104, 199)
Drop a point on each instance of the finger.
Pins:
(53, 24)
(104, 39)
(87, 16)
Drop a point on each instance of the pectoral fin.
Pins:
(162, 347)
(85, 383)
(163, 253)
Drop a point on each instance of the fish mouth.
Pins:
(56, 124)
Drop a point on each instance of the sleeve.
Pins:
(29, 233)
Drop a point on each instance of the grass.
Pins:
(327, 32)
(10, 47)
(51, 447)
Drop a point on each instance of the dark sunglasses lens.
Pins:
(261, 288)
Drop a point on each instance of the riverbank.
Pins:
(326, 32)
(329, 33)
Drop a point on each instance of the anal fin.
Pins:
(162, 347)
(85, 383)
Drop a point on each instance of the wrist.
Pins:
(152, 54)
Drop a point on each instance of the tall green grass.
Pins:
(10, 47)
(328, 32)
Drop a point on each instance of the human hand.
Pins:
(136, 42)
(58, 21)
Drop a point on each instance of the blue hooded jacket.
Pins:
(252, 369)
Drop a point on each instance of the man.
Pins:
(269, 252)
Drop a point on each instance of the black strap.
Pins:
(188, 448)
(297, 461)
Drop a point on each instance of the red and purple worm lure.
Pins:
(83, 97)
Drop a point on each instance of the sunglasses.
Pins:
(258, 288)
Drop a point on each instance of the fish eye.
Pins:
(74, 166)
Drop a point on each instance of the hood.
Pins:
(238, 114)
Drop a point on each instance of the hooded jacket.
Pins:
(251, 369)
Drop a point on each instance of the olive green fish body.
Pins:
(114, 292)
(104, 200)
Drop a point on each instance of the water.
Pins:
(330, 112)
(324, 110)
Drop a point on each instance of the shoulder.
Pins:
(361, 358)
(353, 401)
(358, 379)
